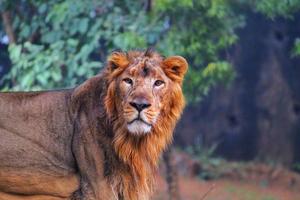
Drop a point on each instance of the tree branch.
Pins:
(8, 26)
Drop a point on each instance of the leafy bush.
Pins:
(211, 167)
(61, 43)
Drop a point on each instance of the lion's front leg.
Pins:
(90, 161)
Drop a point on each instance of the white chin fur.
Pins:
(138, 127)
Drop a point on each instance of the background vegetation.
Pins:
(55, 43)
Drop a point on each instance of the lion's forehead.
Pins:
(145, 67)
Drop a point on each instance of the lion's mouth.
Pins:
(140, 120)
(139, 126)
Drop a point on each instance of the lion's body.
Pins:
(35, 144)
(74, 144)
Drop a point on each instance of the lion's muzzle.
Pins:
(140, 104)
(139, 125)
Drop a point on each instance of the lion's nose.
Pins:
(140, 104)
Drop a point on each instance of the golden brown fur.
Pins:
(99, 141)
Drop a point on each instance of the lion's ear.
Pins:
(117, 60)
(175, 68)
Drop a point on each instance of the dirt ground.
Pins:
(225, 189)
(234, 181)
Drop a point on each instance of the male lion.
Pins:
(99, 141)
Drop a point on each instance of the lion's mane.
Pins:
(140, 154)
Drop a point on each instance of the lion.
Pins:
(101, 140)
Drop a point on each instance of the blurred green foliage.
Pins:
(211, 166)
(61, 43)
(273, 8)
(296, 167)
(296, 49)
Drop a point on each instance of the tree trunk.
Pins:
(8, 26)
(172, 175)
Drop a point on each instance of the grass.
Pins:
(244, 194)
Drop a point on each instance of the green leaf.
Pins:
(296, 48)
(15, 52)
(83, 25)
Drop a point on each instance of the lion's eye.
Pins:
(128, 81)
(158, 83)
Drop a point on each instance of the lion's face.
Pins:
(143, 88)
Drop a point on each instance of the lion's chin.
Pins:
(138, 127)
